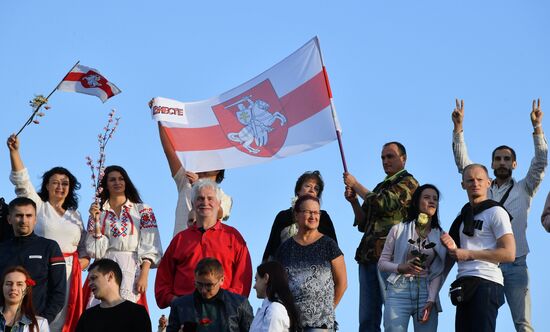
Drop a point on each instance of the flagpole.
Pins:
(58, 84)
(333, 109)
(30, 119)
(339, 136)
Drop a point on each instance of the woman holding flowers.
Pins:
(57, 219)
(124, 229)
(415, 259)
(16, 303)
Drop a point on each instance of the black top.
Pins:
(127, 316)
(45, 263)
(283, 220)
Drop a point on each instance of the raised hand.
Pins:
(192, 177)
(458, 115)
(13, 143)
(536, 114)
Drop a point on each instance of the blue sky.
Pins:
(395, 69)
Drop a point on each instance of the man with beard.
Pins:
(41, 257)
(516, 197)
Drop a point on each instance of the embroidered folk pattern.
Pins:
(117, 231)
(148, 219)
(91, 222)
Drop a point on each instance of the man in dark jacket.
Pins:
(41, 257)
(210, 306)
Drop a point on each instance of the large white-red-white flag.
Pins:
(89, 81)
(283, 111)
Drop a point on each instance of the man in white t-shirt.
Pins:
(480, 238)
(516, 196)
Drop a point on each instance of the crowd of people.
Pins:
(205, 274)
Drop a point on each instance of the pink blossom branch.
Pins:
(102, 139)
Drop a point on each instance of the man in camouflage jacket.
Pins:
(383, 207)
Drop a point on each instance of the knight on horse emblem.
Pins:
(257, 121)
(93, 80)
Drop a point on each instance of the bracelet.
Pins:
(537, 126)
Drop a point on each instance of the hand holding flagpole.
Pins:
(39, 101)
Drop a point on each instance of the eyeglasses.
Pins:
(310, 213)
(206, 285)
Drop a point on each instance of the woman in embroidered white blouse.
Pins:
(124, 229)
(57, 219)
(278, 312)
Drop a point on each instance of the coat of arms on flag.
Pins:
(254, 121)
(89, 81)
(79, 79)
(283, 111)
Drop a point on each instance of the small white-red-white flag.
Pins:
(283, 111)
(89, 81)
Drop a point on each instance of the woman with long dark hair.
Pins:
(16, 303)
(415, 257)
(58, 219)
(124, 229)
(278, 312)
(284, 226)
